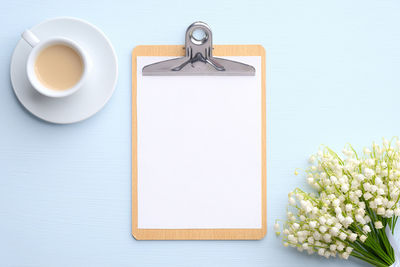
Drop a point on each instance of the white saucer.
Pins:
(96, 91)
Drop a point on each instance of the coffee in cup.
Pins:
(57, 66)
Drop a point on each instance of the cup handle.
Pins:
(30, 38)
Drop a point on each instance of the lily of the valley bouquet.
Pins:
(354, 209)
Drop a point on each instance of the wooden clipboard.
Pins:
(197, 234)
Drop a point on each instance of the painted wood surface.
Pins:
(65, 191)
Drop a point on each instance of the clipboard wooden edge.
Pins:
(199, 234)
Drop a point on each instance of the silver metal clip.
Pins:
(198, 60)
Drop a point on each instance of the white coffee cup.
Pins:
(38, 46)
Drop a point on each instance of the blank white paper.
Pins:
(199, 150)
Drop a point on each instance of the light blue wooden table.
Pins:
(333, 76)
